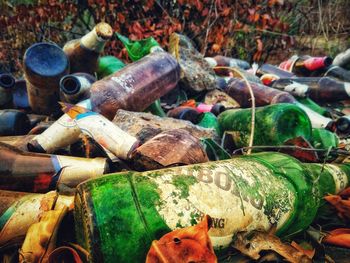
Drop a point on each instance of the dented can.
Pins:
(241, 194)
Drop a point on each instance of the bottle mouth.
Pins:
(343, 125)
(327, 61)
(104, 30)
(7, 81)
(70, 85)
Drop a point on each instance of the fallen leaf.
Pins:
(190, 244)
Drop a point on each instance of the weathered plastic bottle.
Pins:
(136, 86)
(305, 65)
(61, 133)
(18, 211)
(76, 87)
(7, 82)
(274, 124)
(265, 95)
(83, 53)
(338, 73)
(13, 122)
(31, 172)
(107, 65)
(241, 194)
(318, 89)
(44, 65)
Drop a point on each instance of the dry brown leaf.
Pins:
(254, 243)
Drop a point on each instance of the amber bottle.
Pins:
(318, 89)
(33, 172)
(136, 86)
(44, 65)
(83, 53)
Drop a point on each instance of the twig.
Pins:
(209, 25)
(251, 139)
(321, 19)
(165, 11)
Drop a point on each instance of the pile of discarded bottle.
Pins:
(179, 135)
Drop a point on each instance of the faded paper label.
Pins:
(239, 195)
(107, 134)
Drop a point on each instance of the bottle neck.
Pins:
(93, 42)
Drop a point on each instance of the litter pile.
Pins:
(175, 157)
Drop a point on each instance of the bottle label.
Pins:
(107, 134)
(74, 170)
(239, 196)
(339, 176)
(297, 89)
(289, 64)
(22, 214)
(61, 133)
(317, 120)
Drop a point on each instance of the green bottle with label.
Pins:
(274, 124)
(119, 215)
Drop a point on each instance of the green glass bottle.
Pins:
(274, 124)
(138, 49)
(209, 120)
(241, 194)
(324, 139)
(314, 106)
(107, 65)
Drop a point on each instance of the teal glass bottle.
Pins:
(241, 194)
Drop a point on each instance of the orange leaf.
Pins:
(339, 237)
(341, 205)
(190, 244)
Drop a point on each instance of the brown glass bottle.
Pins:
(83, 53)
(32, 172)
(275, 71)
(318, 89)
(264, 95)
(44, 65)
(136, 86)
